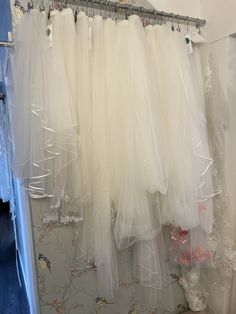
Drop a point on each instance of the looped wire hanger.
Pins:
(154, 16)
(155, 20)
(142, 16)
(172, 23)
(116, 11)
(146, 18)
(162, 19)
(187, 25)
(87, 8)
(109, 11)
(105, 14)
(19, 5)
(120, 13)
(30, 5)
(42, 7)
(178, 27)
(119, 9)
(198, 26)
(75, 10)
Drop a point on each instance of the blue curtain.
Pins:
(5, 19)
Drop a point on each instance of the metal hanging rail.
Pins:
(122, 10)
(7, 44)
(125, 10)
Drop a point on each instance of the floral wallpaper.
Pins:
(67, 285)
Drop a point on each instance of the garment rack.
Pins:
(124, 9)
(6, 44)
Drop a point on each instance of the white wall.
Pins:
(220, 16)
(183, 7)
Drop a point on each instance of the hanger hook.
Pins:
(19, 5)
(87, 8)
(198, 26)
(172, 23)
(30, 5)
(162, 18)
(187, 23)
(116, 11)
(42, 7)
(178, 27)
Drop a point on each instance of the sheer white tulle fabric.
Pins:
(137, 157)
(104, 245)
(189, 165)
(43, 118)
(26, 109)
(218, 282)
(109, 121)
(214, 287)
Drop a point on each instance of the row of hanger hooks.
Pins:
(114, 10)
(117, 10)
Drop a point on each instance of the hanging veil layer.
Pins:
(140, 171)
(187, 152)
(29, 101)
(105, 254)
(218, 280)
(43, 104)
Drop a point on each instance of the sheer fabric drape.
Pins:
(214, 287)
(109, 123)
